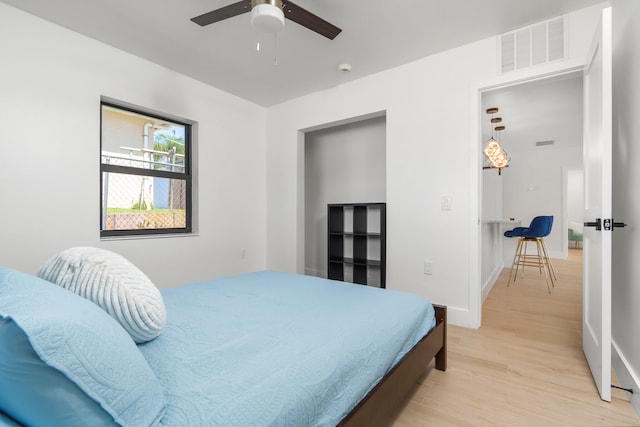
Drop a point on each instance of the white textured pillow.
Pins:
(113, 283)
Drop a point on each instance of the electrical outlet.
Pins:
(428, 268)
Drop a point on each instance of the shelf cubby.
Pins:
(357, 243)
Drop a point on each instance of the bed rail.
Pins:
(382, 401)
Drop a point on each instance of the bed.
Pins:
(259, 349)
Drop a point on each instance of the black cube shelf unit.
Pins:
(357, 243)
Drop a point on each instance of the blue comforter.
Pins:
(277, 349)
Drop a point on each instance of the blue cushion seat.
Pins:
(516, 232)
(540, 227)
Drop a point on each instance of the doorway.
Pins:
(542, 134)
(598, 131)
(543, 137)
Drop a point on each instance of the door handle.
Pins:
(618, 224)
(597, 224)
(609, 224)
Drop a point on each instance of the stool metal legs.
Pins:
(540, 260)
(549, 264)
(514, 263)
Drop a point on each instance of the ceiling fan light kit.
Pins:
(267, 15)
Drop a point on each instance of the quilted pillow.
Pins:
(65, 362)
(114, 284)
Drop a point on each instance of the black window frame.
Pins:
(127, 170)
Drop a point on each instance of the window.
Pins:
(145, 169)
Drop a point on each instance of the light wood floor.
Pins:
(523, 367)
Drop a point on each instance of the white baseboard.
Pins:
(488, 285)
(627, 376)
(460, 317)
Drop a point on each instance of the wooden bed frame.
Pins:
(381, 402)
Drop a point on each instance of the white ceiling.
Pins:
(544, 110)
(377, 35)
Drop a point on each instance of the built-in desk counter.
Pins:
(513, 222)
(494, 248)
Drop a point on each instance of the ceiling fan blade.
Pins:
(307, 19)
(229, 11)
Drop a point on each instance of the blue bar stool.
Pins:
(539, 228)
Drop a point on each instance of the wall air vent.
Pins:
(543, 143)
(533, 45)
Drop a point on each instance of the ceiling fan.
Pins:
(269, 15)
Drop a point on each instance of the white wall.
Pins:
(491, 231)
(51, 81)
(428, 130)
(626, 188)
(575, 187)
(343, 164)
(575, 200)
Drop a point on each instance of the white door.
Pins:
(596, 328)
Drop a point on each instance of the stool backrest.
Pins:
(540, 227)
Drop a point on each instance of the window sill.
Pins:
(149, 236)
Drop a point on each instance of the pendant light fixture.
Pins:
(495, 156)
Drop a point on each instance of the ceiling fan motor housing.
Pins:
(267, 15)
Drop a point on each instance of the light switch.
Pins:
(445, 203)
(428, 268)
